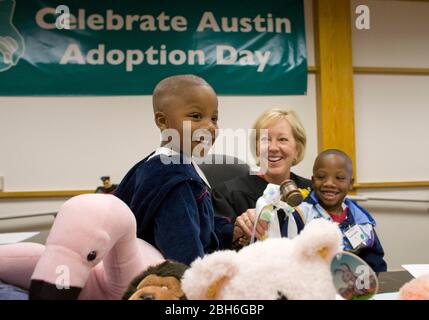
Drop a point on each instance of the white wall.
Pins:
(391, 121)
(392, 133)
(392, 111)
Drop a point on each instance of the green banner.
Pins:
(125, 47)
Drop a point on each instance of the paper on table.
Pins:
(416, 270)
(14, 237)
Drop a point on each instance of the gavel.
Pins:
(290, 194)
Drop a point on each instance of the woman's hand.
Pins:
(243, 227)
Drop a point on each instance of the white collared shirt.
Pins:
(170, 152)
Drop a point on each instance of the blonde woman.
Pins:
(278, 152)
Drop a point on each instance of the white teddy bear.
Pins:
(272, 269)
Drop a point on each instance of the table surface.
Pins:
(392, 281)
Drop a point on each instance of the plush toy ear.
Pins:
(319, 239)
(207, 276)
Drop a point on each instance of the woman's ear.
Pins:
(161, 120)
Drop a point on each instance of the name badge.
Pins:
(355, 236)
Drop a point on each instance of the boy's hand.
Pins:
(239, 238)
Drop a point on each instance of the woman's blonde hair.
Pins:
(273, 115)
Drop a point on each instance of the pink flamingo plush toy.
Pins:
(91, 253)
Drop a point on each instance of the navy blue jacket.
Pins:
(172, 206)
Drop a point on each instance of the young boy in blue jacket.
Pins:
(166, 191)
(331, 181)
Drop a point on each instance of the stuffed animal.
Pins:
(416, 289)
(91, 253)
(161, 282)
(278, 268)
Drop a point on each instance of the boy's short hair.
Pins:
(345, 156)
(174, 85)
(275, 114)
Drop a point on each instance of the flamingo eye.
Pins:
(91, 256)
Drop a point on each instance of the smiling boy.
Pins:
(166, 191)
(331, 181)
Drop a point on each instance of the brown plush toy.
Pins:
(161, 282)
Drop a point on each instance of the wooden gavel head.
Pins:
(290, 193)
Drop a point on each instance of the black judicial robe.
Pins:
(233, 197)
(172, 206)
